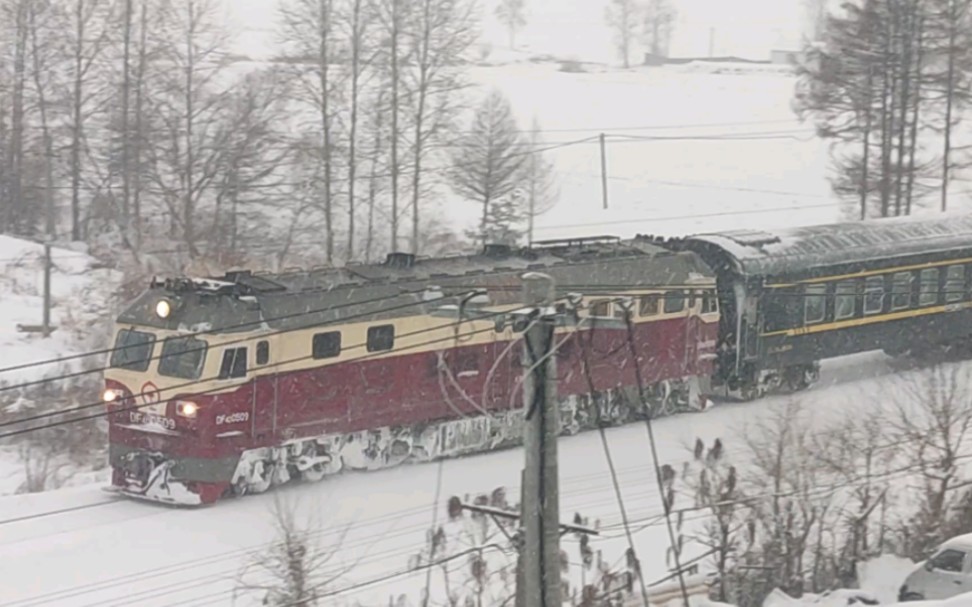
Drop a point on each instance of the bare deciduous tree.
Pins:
(512, 14)
(933, 424)
(295, 570)
(539, 181)
(440, 32)
(657, 25)
(622, 17)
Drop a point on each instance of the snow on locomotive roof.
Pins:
(369, 292)
(783, 251)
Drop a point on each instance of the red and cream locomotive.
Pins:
(233, 385)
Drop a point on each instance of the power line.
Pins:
(196, 382)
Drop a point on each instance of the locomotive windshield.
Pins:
(133, 350)
(182, 357)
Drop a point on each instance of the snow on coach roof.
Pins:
(783, 251)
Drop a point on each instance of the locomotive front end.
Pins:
(175, 430)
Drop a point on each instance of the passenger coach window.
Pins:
(955, 283)
(381, 338)
(234, 363)
(901, 291)
(674, 302)
(928, 287)
(133, 350)
(326, 345)
(263, 353)
(648, 306)
(815, 304)
(182, 357)
(845, 299)
(873, 295)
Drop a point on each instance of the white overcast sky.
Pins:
(747, 28)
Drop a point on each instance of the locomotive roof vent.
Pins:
(400, 260)
(496, 249)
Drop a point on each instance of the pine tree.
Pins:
(489, 160)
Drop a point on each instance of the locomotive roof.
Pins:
(796, 250)
(366, 292)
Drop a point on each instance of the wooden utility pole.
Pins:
(540, 508)
(47, 289)
(604, 180)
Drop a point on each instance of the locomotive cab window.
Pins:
(182, 357)
(381, 338)
(326, 345)
(814, 304)
(901, 291)
(133, 350)
(873, 295)
(954, 283)
(234, 363)
(710, 303)
(928, 287)
(648, 305)
(674, 302)
(263, 352)
(845, 300)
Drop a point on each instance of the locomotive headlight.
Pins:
(110, 396)
(186, 408)
(163, 308)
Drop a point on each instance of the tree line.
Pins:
(887, 83)
(130, 125)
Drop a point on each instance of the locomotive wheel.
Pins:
(315, 472)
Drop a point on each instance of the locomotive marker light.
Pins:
(186, 408)
(163, 308)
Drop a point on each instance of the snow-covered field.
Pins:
(154, 556)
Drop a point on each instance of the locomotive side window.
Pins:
(381, 338)
(263, 352)
(901, 290)
(601, 307)
(326, 345)
(873, 295)
(710, 303)
(928, 287)
(815, 304)
(648, 305)
(954, 283)
(674, 302)
(845, 299)
(133, 350)
(234, 363)
(182, 357)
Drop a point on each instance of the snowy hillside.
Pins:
(83, 293)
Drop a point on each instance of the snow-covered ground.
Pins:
(153, 556)
(82, 291)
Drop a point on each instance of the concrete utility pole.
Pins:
(604, 179)
(540, 508)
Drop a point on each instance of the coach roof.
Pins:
(795, 250)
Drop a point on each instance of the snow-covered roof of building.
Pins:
(795, 250)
